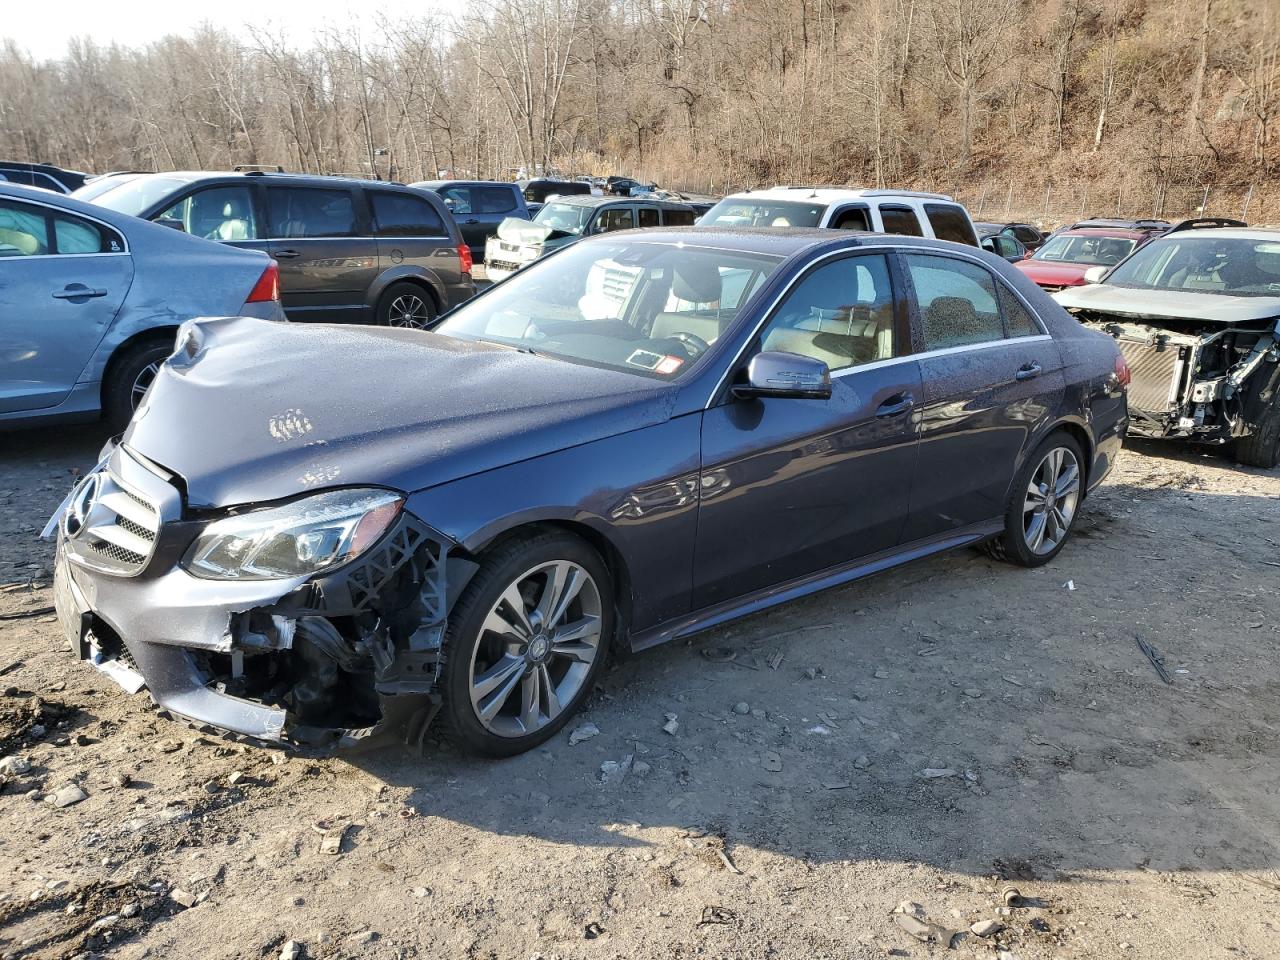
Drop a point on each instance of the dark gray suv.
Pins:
(349, 250)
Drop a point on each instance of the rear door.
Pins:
(63, 278)
(948, 221)
(791, 487)
(990, 377)
(327, 260)
(411, 231)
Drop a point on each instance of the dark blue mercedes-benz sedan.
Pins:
(333, 535)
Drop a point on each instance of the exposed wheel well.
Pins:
(612, 558)
(152, 334)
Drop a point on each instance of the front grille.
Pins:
(1153, 367)
(115, 524)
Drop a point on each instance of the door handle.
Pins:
(472, 220)
(78, 291)
(284, 254)
(895, 405)
(1028, 371)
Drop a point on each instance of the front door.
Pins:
(790, 487)
(326, 262)
(991, 378)
(62, 281)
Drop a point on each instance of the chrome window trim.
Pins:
(74, 213)
(892, 248)
(941, 352)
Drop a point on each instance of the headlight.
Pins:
(295, 540)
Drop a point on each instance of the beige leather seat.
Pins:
(843, 338)
(953, 322)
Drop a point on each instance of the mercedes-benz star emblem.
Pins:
(81, 503)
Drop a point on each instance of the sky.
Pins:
(44, 31)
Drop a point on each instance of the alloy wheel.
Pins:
(142, 382)
(1050, 504)
(535, 649)
(408, 310)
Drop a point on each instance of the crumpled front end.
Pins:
(335, 658)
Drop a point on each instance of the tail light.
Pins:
(1123, 376)
(464, 254)
(268, 286)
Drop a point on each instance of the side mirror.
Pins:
(773, 373)
(1095, 274)
(989, 245)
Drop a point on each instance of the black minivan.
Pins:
(349, 250)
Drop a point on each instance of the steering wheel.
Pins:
(694, 345)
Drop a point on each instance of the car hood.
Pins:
(1183, 304)
(528, 232)
(1053, 274)
(251, 410)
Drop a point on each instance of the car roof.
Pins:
(193, 176)
(829, 195)
(587, 200)
(433, 184)
(1105, 233)
(1227, 233)
(779, 241)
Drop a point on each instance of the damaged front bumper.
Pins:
(338, 658)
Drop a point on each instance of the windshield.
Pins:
(1205, 264)
(100, 185)
(138, 194)
(732, 212)
(627, 304)
(1094, 251)
(565, 217)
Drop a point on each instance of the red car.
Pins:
(1065, 256)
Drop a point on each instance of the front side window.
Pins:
(402, 215)
(841, 314)
(956, 302)
(855, 218)
(950, 223)
(309, 212)
(1235, 266)
(457, 199)
(216, 213)
(900, 220)
(615, 218)
(747, 212)
(625, 303)
(24, 231)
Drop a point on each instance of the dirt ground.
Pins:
(1136, 819)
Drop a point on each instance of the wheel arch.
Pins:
(428, 282)
(599, 541)
(118, 353)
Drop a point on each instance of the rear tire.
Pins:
(1261, 448)
(1044, 501)
(513, 677)
(405, 305)
(130, 378)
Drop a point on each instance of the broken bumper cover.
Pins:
(372, 628)
(157, 637)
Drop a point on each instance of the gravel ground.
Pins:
(932, 735)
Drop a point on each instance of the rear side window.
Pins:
(310, 212)
(492, 200)
(956, 302)
(615, 218)
(1025, 234)
(679, 218)
(950, 223)
(402, 215)
(648, 216)
(1018, 321)
(900, 220)
(31, 231)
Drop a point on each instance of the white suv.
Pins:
(905, 212)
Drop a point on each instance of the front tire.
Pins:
(1043, 503)
(1261, 448)
(405, 305)
(525, 643)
